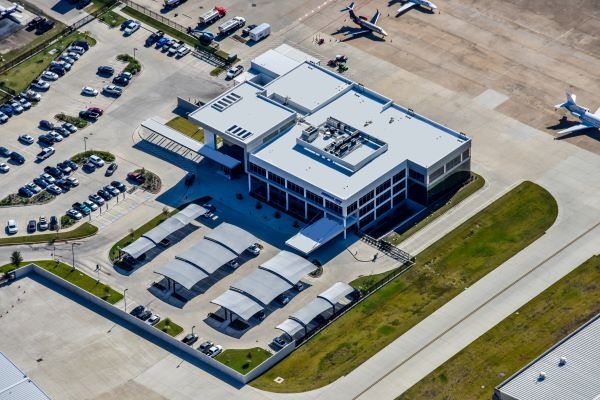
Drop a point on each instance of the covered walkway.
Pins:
(316, 234)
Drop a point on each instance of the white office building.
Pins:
(329, 150)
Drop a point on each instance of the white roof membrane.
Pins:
(182, 272)
(238, 303)
(232, 237)
(139, 247)
(262, 285)
(15, 385)
(289, 266)
(207, 255)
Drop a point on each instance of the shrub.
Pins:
(66, 221)
(78, 122)
(82, 157)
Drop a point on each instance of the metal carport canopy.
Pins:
(139, 247)
(164, 229)
(238, 303)
(182, 272)
(289, 266)
(336, 292)
(290, 327)
(262, 285)
(232, 237)
(190, 213)
(311, 310)
(207, 255)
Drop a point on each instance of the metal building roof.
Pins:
(336, 292)
(232, 237)
(311, 310)
(182, 272)
(15, 385)
(315, 235)
(289, 266)
(262, 285)
(577, 379)
(238, 303)
(190, 213)
(163, 230)
(139, 247)
(290, 327)
(207, 255)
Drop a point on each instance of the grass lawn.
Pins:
(187, 128)
(243, 360)
(96, 5)
(74, 276)
(503, 350)
(174, 33)
(463, 193)
(113, 253)
(58, 26)
(168, 326)
(441, 272)
(21, 76)
(83, 230)
(16, 199)
(112, 19)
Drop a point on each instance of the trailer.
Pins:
(231, 25)
(260, 32)
(213, 15)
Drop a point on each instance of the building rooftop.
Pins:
(242, 113)
(576, 377)
(275, 62)
(14, 384)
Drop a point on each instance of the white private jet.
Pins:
(7, 12)
(368, 26)
(408, 4)
(588, 120)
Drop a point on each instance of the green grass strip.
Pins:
(84, 230)
(243, 360)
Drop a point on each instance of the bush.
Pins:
(66, 221)
(78, 122)
(152, 182)
(14, 199)
(82, 157)
(133, 64)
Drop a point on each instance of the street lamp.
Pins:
(193, 326)
(125, 298)
(73, 251)
(85, 138)
(134, 50)
(98, 271)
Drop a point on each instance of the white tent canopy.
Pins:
(207, 255)
(336, 292)
(289, 266)
(311, 310)
(238, 303)
(262, 285)
(164, 229)
(290, 327)
(182, 272)
(232, 237)
(139, 247)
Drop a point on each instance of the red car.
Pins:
(96, 110)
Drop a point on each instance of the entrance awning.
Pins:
(315, 235)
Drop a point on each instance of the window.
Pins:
(382, 187)
(466, 154)
(399, 187)
(366, 220)
(366, 198)
(366, 209)
(384, 208)
(276, 178)
(417, 176)
(352, 207)
(399, 176)
(453, 163)
(314, 197)
(436, 174)
(333, 207)
(399, 198)
(295, 188)
(383, 197)
(257, 170)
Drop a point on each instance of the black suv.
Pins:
(55, 172)
(17, 158)
(105, 70)
(137, 311)
(47, 139)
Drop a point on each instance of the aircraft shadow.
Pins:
(347, 30)
(563, 123)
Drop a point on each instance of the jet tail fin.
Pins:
(571, 101)
(350, 7)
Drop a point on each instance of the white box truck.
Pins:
(260, 32)
(231, 25)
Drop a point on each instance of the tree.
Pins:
(16, 258)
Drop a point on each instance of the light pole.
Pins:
(98, 271)
(125, 298)
(85, 138)
(73, 251)
(134, 50)
(193, 326)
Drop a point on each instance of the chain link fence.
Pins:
(155, 16)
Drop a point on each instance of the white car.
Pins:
(49, 75)
(132, 27)
(72, 181)
(214, 351)
(40, 84)
(89, 91)
(91, 205)
(73, 55)
(11, 227)
(4, 167)
(3, 117)
(182, 51)
(25, 103)
(31, 95)
(70, 127)
(254, 249)
(27, 139)
(235, 71)
(97, 161)
(17, 107)
(56, 136)
(153, 320)
(76, 49)
(74, 214)
(33, 187)
(113, 90)
(48, 178)
(53, 189)
(234, 264)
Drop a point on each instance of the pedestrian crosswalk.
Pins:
(118, 209)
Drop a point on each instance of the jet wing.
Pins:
(405, 7)
(375, 17)
(572, 129)
(597, 112)
(355, 33)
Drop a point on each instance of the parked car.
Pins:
(48, 178)
(47, 125)
(70, 127)
(89, 166)
(254, 249)
(300, 286)
(52, 188)
(283, 299)
(165, 47)
(17, 158)
(72, 181)
(119, 186)
(64, 167)
(153, 320)
(246, 30)
(4, 168)
(72, 164)
(42, 224)
(136, 177)
(182, 51)
(174, 47)
(113, 90)
(96, 199)
(67, 59)
(49, 75)
(235, 71)
(214, 350)
(279, 342)
(26, 139)
(17, 107)
(89, 115)
(41, 182)
(154, 37)
(35, 22)
(11, 227)
(31, 226)
(54, 171)
(96, 110)
(137, 311)
(111, 169)
(53, 225)
(205, 346)
(4, 152)
(56, 136)
(62, 132)
(92, 206)
(8, 110)
(33, 187)
(105, 70)
(46, 139)
(24, 102)
(234, 264)
(162, 42)
(96, 160)
(63, 185)
(31, 95)
(82, 208)
(62, 64)
(145, 315)
(89, 91)
(126, 24)
(131, 28)
(23, 191)
(3, 117)
(57, 69)
(81, 43)
(40, 84)
(260, 315)
(104, 194)
(112, 190)
(190, 339)
(121, 81)
(74, 214)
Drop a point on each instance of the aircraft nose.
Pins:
(384, 33)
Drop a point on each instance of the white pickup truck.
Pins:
(45, 153)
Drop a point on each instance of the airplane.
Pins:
(7, 12)
(408, 4)
(588, 120)
(368, 26)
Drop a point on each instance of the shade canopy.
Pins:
(289, 266)
(139, 247)
(238, 303)
(232, 237)
(311, 310)
(207, 255)
(316, 234)
(262, 285)
(164, 229)
(290, 327)
(336, 292)
(190, 213)
(182, 272)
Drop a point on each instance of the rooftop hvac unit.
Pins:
(541, 376)
(310, 133)
(562, 361)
